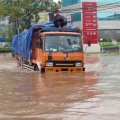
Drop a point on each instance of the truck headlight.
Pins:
(78, 64)
(49, 64)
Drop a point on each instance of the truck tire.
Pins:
(36, 68)
(42, 70)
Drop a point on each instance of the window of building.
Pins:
(69, 2)
(76, 17)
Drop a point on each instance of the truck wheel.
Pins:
(36, 68)
(42, 70)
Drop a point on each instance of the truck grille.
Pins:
(63, 63)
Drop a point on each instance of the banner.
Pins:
(89, 22)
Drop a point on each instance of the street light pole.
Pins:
(101, 40)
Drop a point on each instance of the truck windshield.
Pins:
(63, 43)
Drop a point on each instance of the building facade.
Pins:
(109, 19)
(108, 16)
(72, 8)
(84, 15)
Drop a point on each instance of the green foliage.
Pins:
(106, 40)
(5, 50)
(109, 44)
(55, 6)
(22, 12)
(118, 40)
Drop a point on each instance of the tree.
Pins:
(22, 12)
(55, 6)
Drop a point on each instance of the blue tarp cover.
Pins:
(14, 45)
(21, 43)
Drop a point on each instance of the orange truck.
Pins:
(46, 48)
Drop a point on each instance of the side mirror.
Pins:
(89, 43)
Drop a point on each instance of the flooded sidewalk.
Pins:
(7, 62)
(90, 95)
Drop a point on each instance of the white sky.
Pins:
(55, 0)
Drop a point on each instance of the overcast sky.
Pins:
(55, 0)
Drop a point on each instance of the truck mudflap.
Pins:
(63, 69)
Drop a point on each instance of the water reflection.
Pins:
(61, 96)
(32, 94)
(69, 87)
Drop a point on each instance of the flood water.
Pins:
(90, 95)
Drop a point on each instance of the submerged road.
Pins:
(91, 95)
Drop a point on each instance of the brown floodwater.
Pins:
(90, 95)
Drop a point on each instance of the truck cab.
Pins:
(57, 50)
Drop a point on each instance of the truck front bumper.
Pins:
(59, 69)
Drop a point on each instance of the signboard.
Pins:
(89, 21)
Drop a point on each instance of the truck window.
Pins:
(63, 43)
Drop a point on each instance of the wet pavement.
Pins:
(90, 95)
